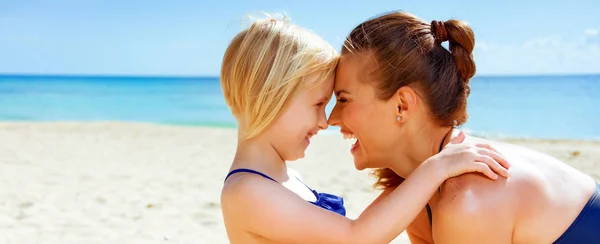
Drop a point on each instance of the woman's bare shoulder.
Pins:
(475, 192)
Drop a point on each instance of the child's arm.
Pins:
(266, 209)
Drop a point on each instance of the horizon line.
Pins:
(217, 76)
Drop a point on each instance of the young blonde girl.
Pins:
(277, 79)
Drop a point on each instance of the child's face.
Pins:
(305, 116)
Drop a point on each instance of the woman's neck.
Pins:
(424, 144)
(258, 154)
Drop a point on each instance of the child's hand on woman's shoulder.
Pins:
(458, 158)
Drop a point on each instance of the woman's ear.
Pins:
(405, 101)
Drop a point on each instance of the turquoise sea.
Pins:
(561, 107)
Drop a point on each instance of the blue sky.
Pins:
(188, 38)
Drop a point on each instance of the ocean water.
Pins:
(560, 107)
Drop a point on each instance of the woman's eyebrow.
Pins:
(338, 92)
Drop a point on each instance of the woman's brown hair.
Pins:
(409, 52)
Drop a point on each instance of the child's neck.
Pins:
(259, 155)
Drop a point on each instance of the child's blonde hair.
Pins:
(264, 67)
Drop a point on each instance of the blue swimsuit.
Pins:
(327, 201)
(586, 227)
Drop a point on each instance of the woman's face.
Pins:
(361, 115)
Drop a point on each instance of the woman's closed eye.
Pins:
(342, 100)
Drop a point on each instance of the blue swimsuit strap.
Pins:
(243, 170)
(427, 207)
(326, 201)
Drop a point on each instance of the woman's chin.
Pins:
(360, 159)
(360, 164)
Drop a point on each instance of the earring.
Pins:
(399, 118)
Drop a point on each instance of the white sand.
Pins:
(140, 183)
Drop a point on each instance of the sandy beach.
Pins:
(143, 183)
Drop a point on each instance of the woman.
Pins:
(401, 93)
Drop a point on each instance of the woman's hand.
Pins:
(458, 158)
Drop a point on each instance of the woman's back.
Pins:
(536, 204)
